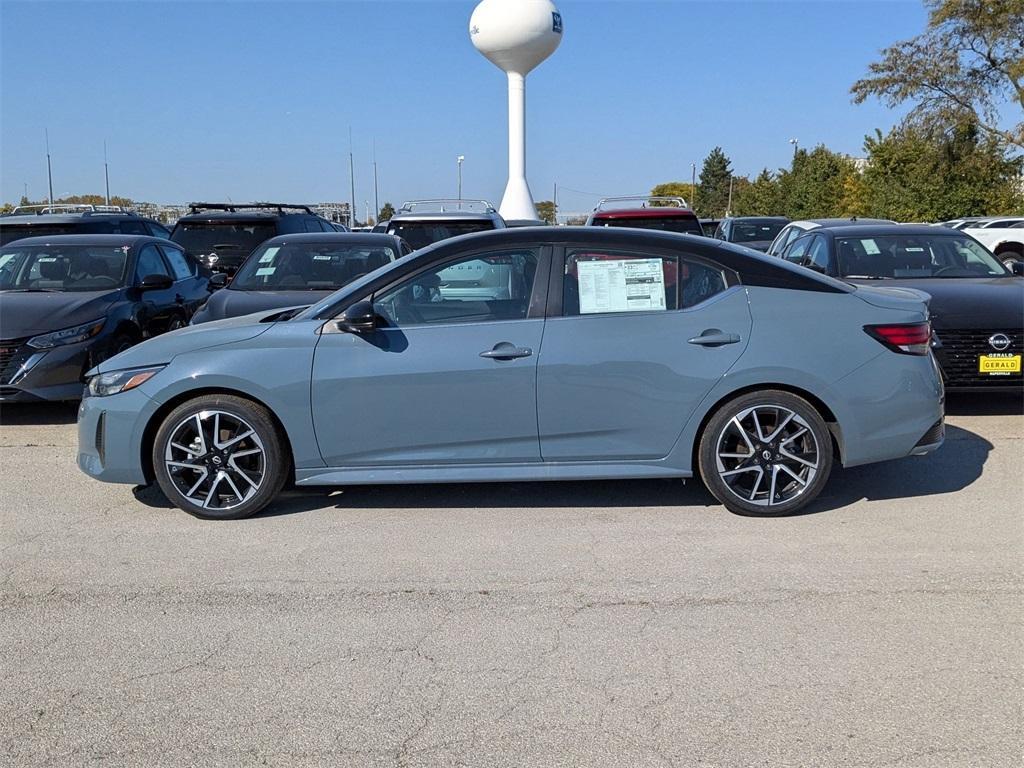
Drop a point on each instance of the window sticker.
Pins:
(269, 255)
(870, 247)
(322, 257)
(4, 258)
(910, 249)
(625, 285)
(265, 271)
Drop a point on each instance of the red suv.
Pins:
(670, 214)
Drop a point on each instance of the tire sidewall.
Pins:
(259, 419)
(708, 447)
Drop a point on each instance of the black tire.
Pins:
(791, 449)
(1008, 257)
(266, 465)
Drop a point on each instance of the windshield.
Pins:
(62, 268)
(915, 256)
(420, 234)
(666, 224)
(755, 231)
(11, 232)
(199, 238)
(309, 266)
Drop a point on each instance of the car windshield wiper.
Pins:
(32, 290)
(865, 277)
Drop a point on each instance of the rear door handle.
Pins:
(506, 351)
(714, 338)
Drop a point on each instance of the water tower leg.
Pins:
(517, 202)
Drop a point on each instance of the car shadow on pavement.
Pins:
(24, 414)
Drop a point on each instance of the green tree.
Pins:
(713, 185)
(759, 197)
(386, 212)
(919, 174)
(962, 68)
(683, 189)
(548, 211)
(814, 186)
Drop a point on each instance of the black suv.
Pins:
(46, 220)
(221, 235)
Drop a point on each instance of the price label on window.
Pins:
(622, 285)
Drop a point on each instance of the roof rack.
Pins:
(444, 205)
(676, 201)
(235, 207)
(42, 209)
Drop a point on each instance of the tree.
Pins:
(683, 189)
(966, 63)
(386, 212)
(759, 197)
(814, 186)
(713, 187)
(920, 174)
(548, 211)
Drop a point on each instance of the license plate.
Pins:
(999, 364)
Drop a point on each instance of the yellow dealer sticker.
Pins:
(999, 364)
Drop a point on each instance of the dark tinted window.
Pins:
(796, 251)
(133, 227)
(62, 267)
(308, 266)
(18, 231)
(150, 263)
(667, 224)
(481, 288)
(159, 230)
(602, 282)
(753, 231)
(179, 262)
(203, 237)
(420, 234)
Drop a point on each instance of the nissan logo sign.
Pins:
(999, 341)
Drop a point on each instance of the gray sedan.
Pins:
(530, 354)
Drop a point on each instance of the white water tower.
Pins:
(516, 36)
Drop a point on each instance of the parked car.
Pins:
(977, 304)
(1007, 243)
(669, 214)
(296, 270)
(964, 222)
(424, 222)
(1000, 222)
(755, 232)
(221, 235)
(709, 226)
(530, 354)
(796, 229)
(70, 301)
(40, 220)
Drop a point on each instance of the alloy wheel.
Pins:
(215, 459)
(767, 455)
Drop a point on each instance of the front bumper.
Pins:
(32, 375)
(109, 435)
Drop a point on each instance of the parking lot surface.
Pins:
(588, 624)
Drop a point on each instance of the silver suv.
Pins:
(423, 222)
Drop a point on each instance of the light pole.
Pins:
(693, 186)
(796, 145)
(459, 161)
(106, 172)
(49, 174)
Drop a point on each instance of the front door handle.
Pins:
(506, 351)
(713, 337)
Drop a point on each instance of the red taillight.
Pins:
(909, 339)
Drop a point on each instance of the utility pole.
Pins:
(352, 178)
(728, 205)
(693, 185)
(459, 161)
(376, 196)
(106, 171)
(49, 173)
(554, 200)
(367, 221)
(796, 145)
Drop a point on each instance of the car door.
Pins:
(190, 288)
(157, 308)
(448, 377)
(637, 342)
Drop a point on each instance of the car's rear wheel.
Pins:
(765, 453)
(220, 457)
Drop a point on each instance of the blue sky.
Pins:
(253, 100)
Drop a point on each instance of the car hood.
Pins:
(233, 303)
(968, 302)
(162, 349)
(29, 314)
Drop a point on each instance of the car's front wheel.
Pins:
(765, 453)
(220, 457)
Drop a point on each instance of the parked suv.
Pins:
(671, 214)
(221, 235)
(423, 222)
(45, 220)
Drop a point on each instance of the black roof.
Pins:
(98, 240)
(866, 230)
(353, 238)
(64, 218)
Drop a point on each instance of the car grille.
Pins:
(13, 354)
(961, 349)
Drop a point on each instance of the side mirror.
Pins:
(1017, 267)
(155, 283)
(359, 318)
(217, 280)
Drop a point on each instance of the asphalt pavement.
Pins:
(551, 624)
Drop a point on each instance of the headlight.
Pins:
(67, 336)
(121, 381)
